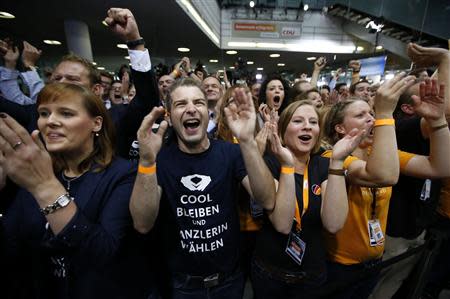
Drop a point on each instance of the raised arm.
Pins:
(430, 106)
(382, 166)
(319, 64)
(30, 56)
(334, 207)
(144, 202)
(241, 118)
(355, 65)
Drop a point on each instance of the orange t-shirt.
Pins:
(351, 244)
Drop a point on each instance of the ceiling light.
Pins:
(52, 42)
(122, 46)
(188, 6)
(112, 73)
(214, 60)
(274, 55)
(231, 52)
(252, 4)
(271, 45)
(305, 7)
(100, 68)
(359, 48)
(250, 62)
(260, 69)
(379, 47)
(184, 49)
(334, 57)
(242, 44)
(94, 63)
(311, 58)
(258, 76)
(6, 15)
(321, 46)
(281, 64)
(104, 23)
(231, 67)
(127, 57)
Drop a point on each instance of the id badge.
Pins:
(376, 236)
(255, 209)
(295, 247)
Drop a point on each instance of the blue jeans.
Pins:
(231, 288)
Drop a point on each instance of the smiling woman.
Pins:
(71, 216)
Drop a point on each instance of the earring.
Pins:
(97, 134)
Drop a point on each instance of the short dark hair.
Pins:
(93, 74)
(353, 86)
(106, 74)
(180, 83)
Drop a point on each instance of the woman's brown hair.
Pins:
(103, 151)
(286, 116)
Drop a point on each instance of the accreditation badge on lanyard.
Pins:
(376, 236)
(296, 247)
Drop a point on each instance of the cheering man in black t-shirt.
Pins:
(194, 190)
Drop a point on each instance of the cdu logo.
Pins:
(196, 182)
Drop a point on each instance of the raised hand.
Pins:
(355, 65)
(283, 154)
(388, 93)
(30, 55)
(320, 63)
(430, 103)
(241, 116)
(23, 157)
(122, 22)
(3, 48)
(149, 142)
(11, 56)
(262, 137)
(424, 57)
(347, 144)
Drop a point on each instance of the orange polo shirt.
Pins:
(351, 244)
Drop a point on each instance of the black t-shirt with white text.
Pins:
(198, 210)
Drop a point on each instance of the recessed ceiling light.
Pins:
(184, 49)
(6, 15)
(311, 58)
(127, 57)
(231, 52)
(250, 62)
(214, 60)
(379, 47)
(359, 48)
(231, 67)
(94, 63)
(274, 55)
(251, 4)
(52, 42)
(258, 76)
(281, 64)
(334, 57)
(305, 7)
(260, 69)
(104, 23)
(100, 68)
(122, 46)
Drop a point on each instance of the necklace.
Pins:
(69, 180)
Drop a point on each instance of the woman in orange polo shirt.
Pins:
(360, 244)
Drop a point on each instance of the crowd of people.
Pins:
(183, 185)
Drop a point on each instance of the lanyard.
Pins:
(374, 201)
(305, 199)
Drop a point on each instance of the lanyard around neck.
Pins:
(305, 199)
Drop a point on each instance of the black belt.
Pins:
(278, 274)
(200, 282)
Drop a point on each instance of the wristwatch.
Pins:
(61, 202)
(134, 43)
